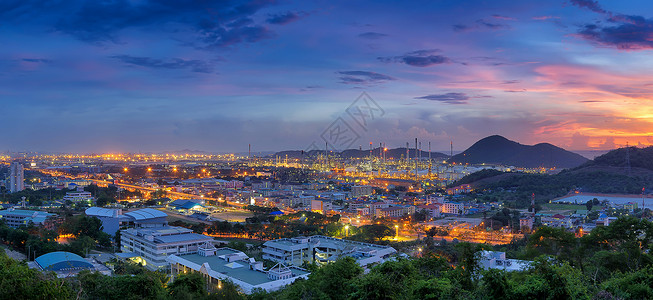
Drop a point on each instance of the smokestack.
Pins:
(415, 158)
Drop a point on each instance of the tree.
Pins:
(17, 281)
(188, 286)
(336, 280)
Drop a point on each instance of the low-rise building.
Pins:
(453, 208)
(390, 212)
(361, 190)
(497, 260)
(322, 250)
(77, 197)
(321, 205)
(19, 217)
(113, 219)
(434, 210)
(66, 264)
(151, 246)
(221, 264)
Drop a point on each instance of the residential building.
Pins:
(526, 222)
(453, 208)
(19, 217)
(434, 199)
(322, 250)
(361, 190)
(461, 189)
(16, 177)
(434, 210)
(390, 212)
(217, 265)
(321, 205)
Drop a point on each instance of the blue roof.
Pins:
(278, 212)
(60, 260)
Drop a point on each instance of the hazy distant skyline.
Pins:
(154, 76)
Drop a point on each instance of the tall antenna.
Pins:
(627, 159)
(533, 205)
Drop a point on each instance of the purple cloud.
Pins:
(363, 77)
(419, 58)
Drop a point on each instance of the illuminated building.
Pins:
(16, 177)
(151, 246)
(323, 249)
(221, 264)
(18, 217)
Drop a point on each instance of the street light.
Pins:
(346, 230)
(397, 232)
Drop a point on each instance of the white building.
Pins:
(322, 250)
(18, 217)
(452, 208)
(221, 264)
(16, 177)
(77, 197)
(434, 210)
(497, 260)
(151, 246)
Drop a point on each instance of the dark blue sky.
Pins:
(101, 76)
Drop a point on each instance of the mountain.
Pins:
(496, 149)
(395, 153)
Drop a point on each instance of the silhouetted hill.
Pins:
(496, 149)
(640, 158)
(395, 153)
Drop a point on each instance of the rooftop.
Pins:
(238, 269)
(60, 260)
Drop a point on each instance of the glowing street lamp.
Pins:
(397, 231)
(346, 230)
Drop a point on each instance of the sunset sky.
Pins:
(102, 76)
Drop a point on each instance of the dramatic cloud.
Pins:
(420, 58)
(208, 23)
(284, 18)
(372, 35)
(173, 63)
(634, 34)
(621, 31)
(363, 77)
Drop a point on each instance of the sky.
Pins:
(164, 75)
